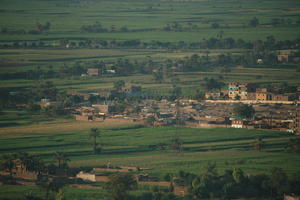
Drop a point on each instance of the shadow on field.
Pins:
(3, 125)
(228, 139)
(220, 147)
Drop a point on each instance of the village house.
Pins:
(238, 90)
(93, 72)
(251, 96)
(110, 71)
(47, 102)
(86, 176)
(280, 97)
(296, 122)
(87, 113)
(283, 58)
(212, 95)
(259, 61)
(106, 93)
(262, 94)
(237, 124)
(92, 176)
(104, 108)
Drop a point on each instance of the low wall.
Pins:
(287, 197)
(26, 175)
(205, 125)
(102, 178)
(180, 190)
(112, 170)
(81, 118)
(252, 101)
(160, 183)
(118, 120)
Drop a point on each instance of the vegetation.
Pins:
(244, 111)
(94, 133)
(185, 49)
(119, 185)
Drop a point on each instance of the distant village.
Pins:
(273, 109)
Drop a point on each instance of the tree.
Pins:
(215, 25)
(254, 22)
(294, 145)
(43, 27)
(119, 185)
(279, 182)
(118, 85)
(211, 84)
(94, 133)
(31, 196)
(61, 159)
(161, 146)
(199, 95)
(206, 186)
(37, 165)
(158, 76)
(258, 144)
(176, 144)
(244, 111)
(176, 91)
(157, 194)
(60, 195)
(56, 184)
(26, 161)
(150, 120)
(34, 107)
(238, 175)
(8, 162)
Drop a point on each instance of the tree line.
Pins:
(39, 29)
(97, 27)
(208, 184)
(217, 42)
(233, 184)
(159, 68)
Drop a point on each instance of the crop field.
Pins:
(228, 148)
(233, 146)
(68, 16)
(26, 49)
(190, 82)
(145, 21)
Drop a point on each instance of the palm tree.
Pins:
(176, 144)
(37, 165)
(25, 160)
(61, 158)
(8, 162)
(259, 144)
(94, 133)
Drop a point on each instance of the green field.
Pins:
(190, 82)
(68, 16)
(228, 148)
(145, 21)
(24, 51)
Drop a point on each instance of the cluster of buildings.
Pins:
(248, 91)
(273, 110)
(196, 114)
(108, 109)
(284, 56)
